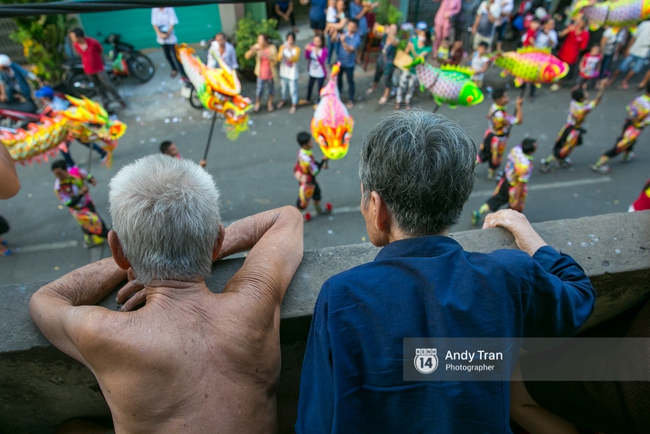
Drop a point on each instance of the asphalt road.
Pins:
(254, 173)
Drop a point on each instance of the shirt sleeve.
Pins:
(316, 398)
(173, 19)
(153, 17)
(559, 297)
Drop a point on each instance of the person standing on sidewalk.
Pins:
(90, 51)
(316, 54)
(163, 21)
(266, 56)
(346, 54)
(288, 57)
(576, 39)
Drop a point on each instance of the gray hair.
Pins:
(422, 166)
(166, 214)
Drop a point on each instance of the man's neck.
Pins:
(175, 291)
(397, 235)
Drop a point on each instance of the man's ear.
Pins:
(118, 253)
(216, 249)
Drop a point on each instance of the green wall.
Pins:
(194, 24)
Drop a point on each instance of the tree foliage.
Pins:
(43, 39)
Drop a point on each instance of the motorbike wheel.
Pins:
(141, 67)
(79, 84)
(194, 100)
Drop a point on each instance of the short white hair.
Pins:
(165, 212)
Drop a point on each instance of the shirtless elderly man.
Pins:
(189, 360)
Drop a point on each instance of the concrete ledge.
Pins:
(40, 387)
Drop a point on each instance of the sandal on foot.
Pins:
(383, 100)
(280, 105)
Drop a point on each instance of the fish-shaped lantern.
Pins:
(617, 14)
(531, 65)
(449, 84)
(332, 124)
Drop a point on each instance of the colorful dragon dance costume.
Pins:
(305, 171)
(570, 135)
(218, 90)
(638, 116)
(332, 124)
(519, 169)
(496, 137)
(85, 120)
(617, 14)
(81, 206)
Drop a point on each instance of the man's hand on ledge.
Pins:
(516, 223)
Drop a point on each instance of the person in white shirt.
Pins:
(220, 48)
(547, 37)
(163, 21)
(610, 45)
(288, 56)
(479, 63)
(637, 51)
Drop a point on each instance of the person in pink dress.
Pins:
(442, 23)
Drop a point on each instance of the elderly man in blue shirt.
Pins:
(417, 172)
(346, 54)
(15, 93)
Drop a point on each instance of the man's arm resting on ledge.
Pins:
(275, 241)
(64, 308)
(557, 295)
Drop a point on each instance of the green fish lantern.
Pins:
(452, 85)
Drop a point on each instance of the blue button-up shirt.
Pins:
(352, 375)
(348, 60)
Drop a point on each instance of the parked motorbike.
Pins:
(126, 61)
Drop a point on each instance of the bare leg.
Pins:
(613, 78)
(645, 80)
(529, 415)
(627, 78)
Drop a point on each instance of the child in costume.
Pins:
(512, 188)
(570, 135)
(499, 125)
(589, 68)
(70, 187)
(638, 116)
(305, 171)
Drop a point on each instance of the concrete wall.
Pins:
(40, 387)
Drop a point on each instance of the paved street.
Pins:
(254, 173)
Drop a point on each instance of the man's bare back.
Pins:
(189, 360)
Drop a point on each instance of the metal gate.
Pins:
(7, 46)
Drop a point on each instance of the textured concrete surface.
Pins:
(41, 387)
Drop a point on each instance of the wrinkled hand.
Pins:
(517, 224)
(132, 294)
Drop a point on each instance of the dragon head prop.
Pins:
(92, 117)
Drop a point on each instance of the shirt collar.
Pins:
(418, 247)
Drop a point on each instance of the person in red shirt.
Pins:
(577, 39)
(90, 51)
(528, 39)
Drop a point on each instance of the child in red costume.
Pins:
(305, 171)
